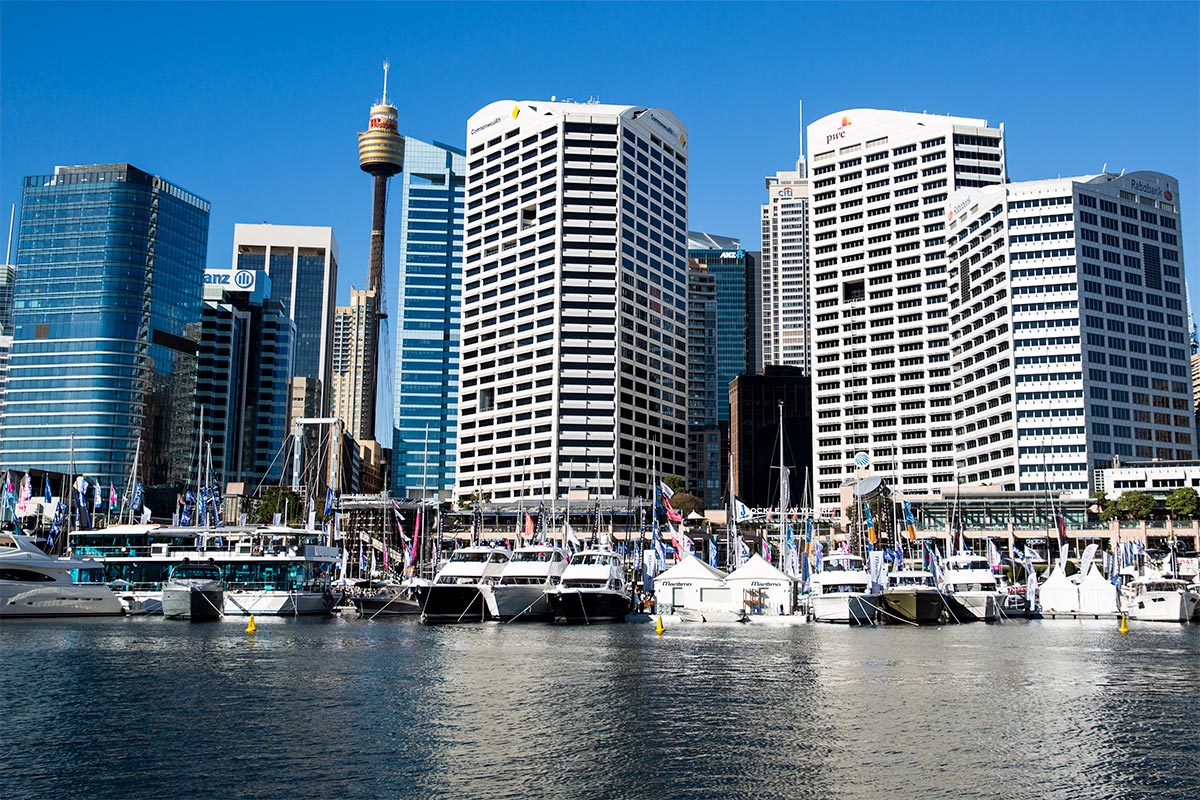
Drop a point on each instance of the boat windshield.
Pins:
(206, 572)
(840, 565)
(88, 575)
(593, 559)
(540, 556)
(911, 580)
(466, 557)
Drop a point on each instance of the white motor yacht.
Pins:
(1159, 599)
(35, 584)
(462, 590)
(592, 590)
(195, 590)
(521, 592)
(971, 591)
(841, 591)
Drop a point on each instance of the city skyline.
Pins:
(1075, 130)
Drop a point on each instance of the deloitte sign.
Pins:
(231, 280)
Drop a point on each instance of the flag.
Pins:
(909, 522)
(572, 539)
(9, 489)
(740, 512)
(528, 526)
(26, 488)
(870, 523)
(413, 551)
(785, 487)
(660, 553)
(1085, 560)
(329, 501)
(112, 496)
(1031, 583)
(743, 551)
(96, 498)
(672, 514)
(667, 491)
(46, 489)
(1060, 523)
(145, 515)
(819, 555)
(139, 492)
(766, 550)
(993, 556)
(712, 551)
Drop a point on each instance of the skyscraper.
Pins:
(783, 292)
(245, 363)
(106, 321)
(574, 309)
(352, 372)
(1068, 329)
(302, 262)
(425, 417)
(704, 437)
(881, 298)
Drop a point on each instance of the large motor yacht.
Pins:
(462, 590)
(195, 590)
(1159, 599)
(970, 589)
(913, 596)
(841, 591)
(592, 590)
(521, 592)
(35, 584)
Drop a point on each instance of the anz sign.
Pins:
(231, 280)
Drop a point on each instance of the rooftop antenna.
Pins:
(386, 67)
(801, 166)
(1104, 169)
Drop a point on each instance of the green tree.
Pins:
(1183, 503)
(676, 483)
(276, 500)
(686, 503)
(1134, 505)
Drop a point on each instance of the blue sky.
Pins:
(255, 106)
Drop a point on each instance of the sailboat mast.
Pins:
(132, 487)
(783, 491)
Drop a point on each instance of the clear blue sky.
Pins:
(255, 106)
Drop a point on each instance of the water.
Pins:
(346, 708)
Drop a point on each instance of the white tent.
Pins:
(759, 588)
(691, 584)
(1097, 595)
(1059, 594)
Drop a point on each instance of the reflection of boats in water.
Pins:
(970, 588)
(462, 587)
(36, 584)
(268, 570)
(913, 596)
(194, 591)
(521, 592)
(841, 591)
(592, 590)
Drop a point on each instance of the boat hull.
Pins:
(521, 603)
(276, 603)
(386, 605)
(975, 606)
(451, 603)
(1162, 607)
(589, 606)
(142, 603)
(854, 608)
(190, 602)
(60, 600)
(922, 607)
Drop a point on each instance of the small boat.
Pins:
(913, 596)
(194, 590)
(1159, 600)
(461, 591)
(36, 584)
(521, 592)
(970, 589)
(592, 590)
(841, 591)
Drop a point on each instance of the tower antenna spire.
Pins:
(386, 67)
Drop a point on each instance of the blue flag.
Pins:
(139, 492)
(329, 501)
(46, 488)
(712, 551)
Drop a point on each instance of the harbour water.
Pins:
(341, 708)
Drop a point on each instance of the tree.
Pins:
(1134, 505)
(275, 500)
(1183, 503)
(676, 484)
(686, 503)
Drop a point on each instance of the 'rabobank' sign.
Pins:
(231, 280)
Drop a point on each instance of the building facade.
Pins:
(881, 295)
(8, 275)
(106, 325)
(783, 288)
(755, 404)
(302, 262)
(1069, 332)
(353, 371)
(704, 435)
(245, 363)
(425, 417)
(574, 309)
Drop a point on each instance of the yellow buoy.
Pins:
(658, 628)
(250, 627)
(1124, 628)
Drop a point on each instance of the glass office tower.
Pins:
(106, 320)
(426, 377)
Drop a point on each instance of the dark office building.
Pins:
(754, 433)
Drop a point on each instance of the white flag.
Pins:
(741, 513)
(145, 515)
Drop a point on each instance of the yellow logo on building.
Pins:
(683, 139)
(516, 111)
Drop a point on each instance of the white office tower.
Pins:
(574, 331)
(1069, 329)
(784, 275)
(881, 340)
